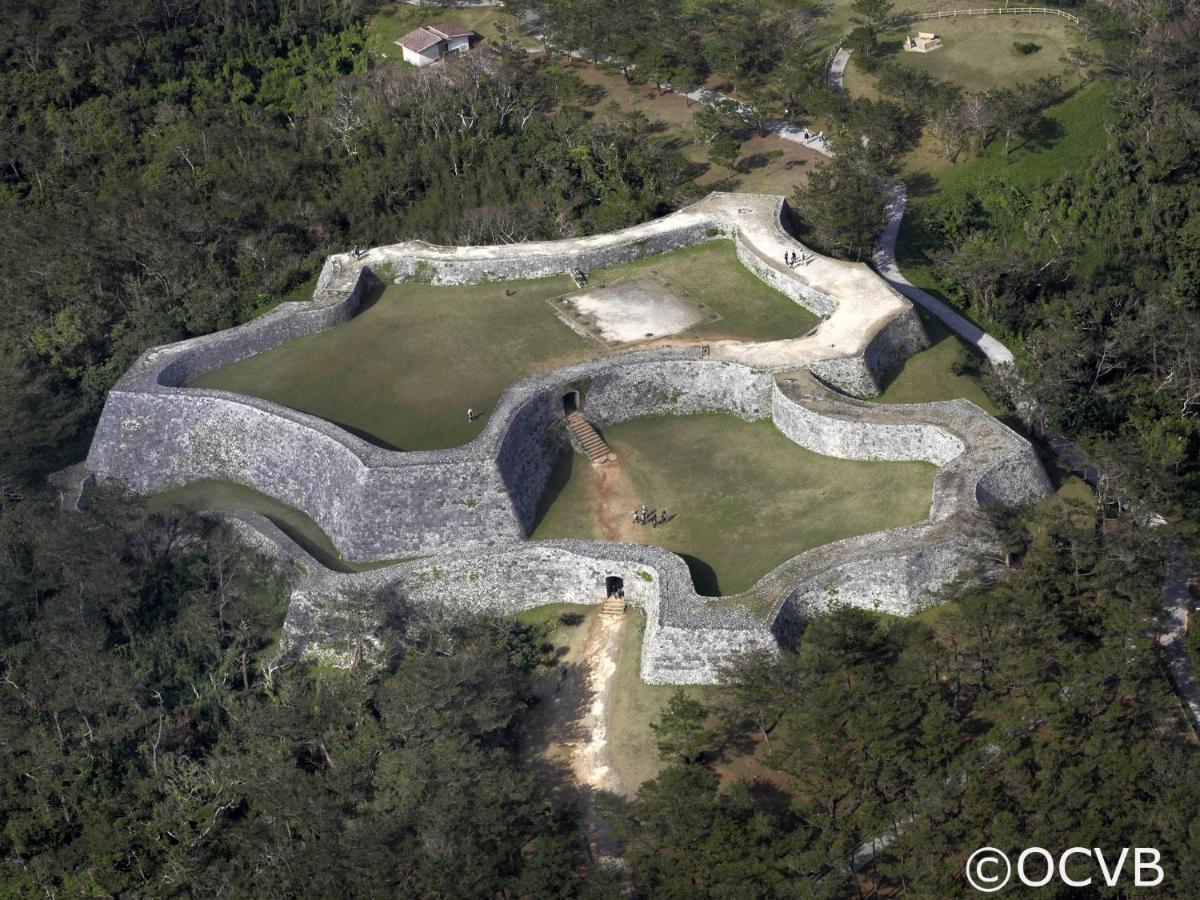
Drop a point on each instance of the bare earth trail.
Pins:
(577, 724)
(613, 502)
(590, 758)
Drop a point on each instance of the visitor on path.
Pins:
(635, 517)
(470, 414)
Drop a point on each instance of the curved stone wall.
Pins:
(155, 435)
(688, 636)
(467, 510)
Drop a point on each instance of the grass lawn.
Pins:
(978, 52)
(1069, 138)
(393, 20)
(929, 375)
(403, 372)
(227, 495)
(1072, 134)
(747, 497)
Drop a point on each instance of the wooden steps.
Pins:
(613, 608)
(589, 439)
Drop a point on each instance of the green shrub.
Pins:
(1026, 48)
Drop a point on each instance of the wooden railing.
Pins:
(996, 11)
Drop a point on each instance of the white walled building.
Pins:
(429, 43)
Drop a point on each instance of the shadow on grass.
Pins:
(704, 577)
(1042, 134)
(752, 162)
(920, 184)
(560, 477)
(363, 435)
(592, 94)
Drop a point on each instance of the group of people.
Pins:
(652, 517)
(793, 259)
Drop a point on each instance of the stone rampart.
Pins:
(687, 636)
(156, 434)
(467, 510)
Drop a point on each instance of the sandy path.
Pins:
(590, 758)
(614, 501)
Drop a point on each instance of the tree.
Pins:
(978, 267)
(979, 116)
(760, 684)
(1081, 62)
(863, 44)
(682, 730)
(946, 127)
(844, 208)
(719, 119)
(1013, 112)
(876, 13)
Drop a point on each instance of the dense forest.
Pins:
(167, 169)
(172, 169)
(1091, 276)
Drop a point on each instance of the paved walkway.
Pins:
(885, 263)
(837, 69)
(1179, 662)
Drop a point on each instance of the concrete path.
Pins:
(1179, 662)
(837, 69)
(885, 263)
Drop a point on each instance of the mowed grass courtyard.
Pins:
(746, 497)
(977, 53)
(404, 371)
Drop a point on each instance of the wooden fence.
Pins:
(997, 11)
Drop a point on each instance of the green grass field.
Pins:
(930, 375)
(392, 20)
(403, 372)
(201, 496)
(1072, 134)
(747, 497)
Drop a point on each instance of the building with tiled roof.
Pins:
(429, 43)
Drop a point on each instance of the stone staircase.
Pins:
(589, 439)
(613, 608)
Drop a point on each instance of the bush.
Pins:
(1026, 48)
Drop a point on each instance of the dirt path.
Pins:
(614, 501)
(582, 699)
(590, 758)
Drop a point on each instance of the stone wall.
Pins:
(418, 261)
(155, 434)
(687, 636)
(467, 510)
